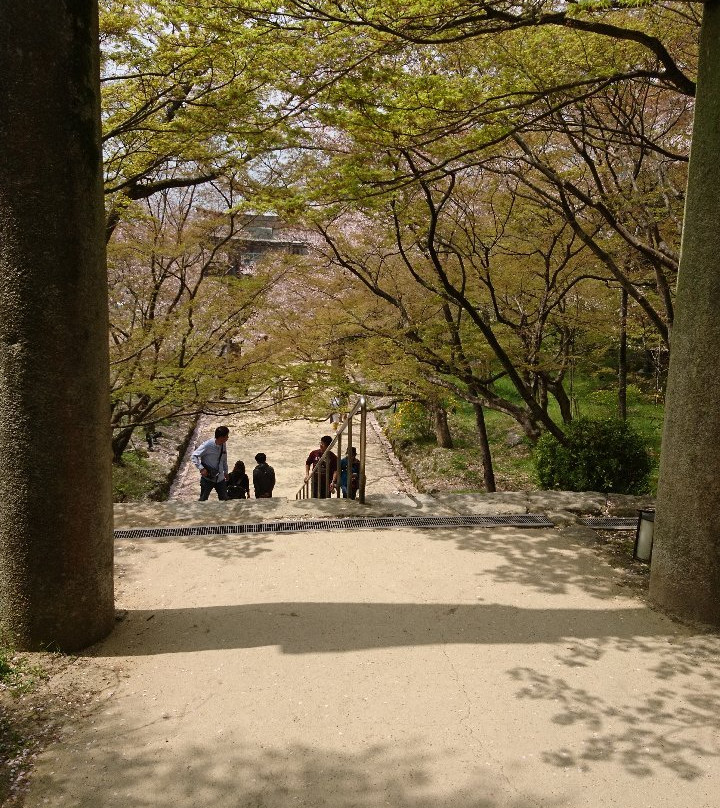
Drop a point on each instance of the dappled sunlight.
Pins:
(237, 773)
(549, 561)
(665, 716)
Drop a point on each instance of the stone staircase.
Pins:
(560, 507)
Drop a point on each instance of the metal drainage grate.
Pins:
(613, 523)
(513, 520)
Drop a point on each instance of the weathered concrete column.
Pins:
(685, 573)
(56, 586)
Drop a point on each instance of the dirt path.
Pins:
(405, 668)
(287, 444)
(409, 668)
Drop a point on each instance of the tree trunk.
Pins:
(529, 427)
(488, 473)
(442, 430)
(120, 442)
(563, 400)
(542, 387)
(622, 357)
(56, 542)
(685, 571)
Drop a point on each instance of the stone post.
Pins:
(685, 570)
(56, 551)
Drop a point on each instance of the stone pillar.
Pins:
(685, 571)
(56, 551)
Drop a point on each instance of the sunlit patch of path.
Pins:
(287, 444)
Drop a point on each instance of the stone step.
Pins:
(239, 511)
(561, 507)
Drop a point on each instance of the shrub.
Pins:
(410, 423)
(599, 455)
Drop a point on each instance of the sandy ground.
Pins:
(413, 669)
(443, 668)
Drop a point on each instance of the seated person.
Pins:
(238, 482)
(263, 477)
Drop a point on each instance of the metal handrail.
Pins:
(345, 426)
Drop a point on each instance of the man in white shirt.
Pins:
(210, 459)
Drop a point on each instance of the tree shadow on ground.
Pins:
(229, 547)
(547, 560)
(551, 561)
(669, 720)
(669, 717)
(305, 627)
(244, 776)
(222, 546)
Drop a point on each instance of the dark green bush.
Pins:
(599, 455)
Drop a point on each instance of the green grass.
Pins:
(459, 469)
(134, 478)
(17, 674)
(6, 669)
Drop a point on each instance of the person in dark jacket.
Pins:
(263, 477)
(238, 482)
(322, 473)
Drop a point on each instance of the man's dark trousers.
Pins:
(206, 486)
